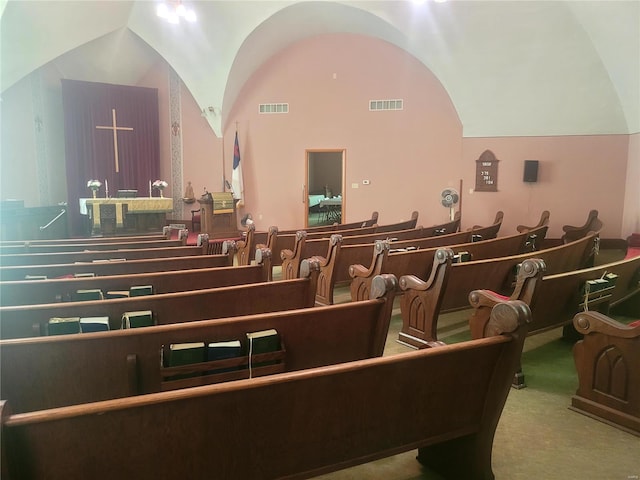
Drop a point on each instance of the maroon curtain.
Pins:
(90, 152)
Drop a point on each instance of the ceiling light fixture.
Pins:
(172, 12)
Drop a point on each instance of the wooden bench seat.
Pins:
(592, 224)
(105, 239)
(388, 258)
(499, 274)
(555, 299)
(317, 245)
(45, 372)
(93, 255)
(20, 272)
(83, 244)
(261, 237)
(607, 360)
(277, 241)
(30, 292)
(32, 320)
(336, 260)
(291, 425)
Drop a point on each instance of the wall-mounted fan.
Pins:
(449, 197)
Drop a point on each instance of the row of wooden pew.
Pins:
(312, 337)
(442, 451)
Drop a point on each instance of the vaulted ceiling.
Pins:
(510, 67)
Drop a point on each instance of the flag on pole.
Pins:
(236, 177)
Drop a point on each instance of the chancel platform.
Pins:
(135, 215)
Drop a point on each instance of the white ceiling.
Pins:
(510, 67)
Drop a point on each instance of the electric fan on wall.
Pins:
(449, 197)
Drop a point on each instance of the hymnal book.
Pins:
(140, 290)
(223, 350)
(82, 275)
(89, 294)
(141, 318)
(185, 354)
(263, 341)
(94, 324)
(461, 257)
(611, 278)
(63, 325)
(35, 277)
(117, 294)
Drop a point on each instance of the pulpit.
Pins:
(218, 215)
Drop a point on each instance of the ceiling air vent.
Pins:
(273, 108)
(377, 105)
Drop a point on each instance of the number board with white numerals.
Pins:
(487, 172)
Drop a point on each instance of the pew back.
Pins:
(292, 425)
(32, 320)
(89, 256)
(128, 267)
(30, 292)
(82, 247)
(47, 372)
(419, 262)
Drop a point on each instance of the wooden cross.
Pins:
(114, 126)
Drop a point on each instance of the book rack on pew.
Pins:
(236, 368)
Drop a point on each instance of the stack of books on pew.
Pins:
(134, 291)
(200, 363)
(136, 319)
(461, 257)
(71, 325)
(598, 290)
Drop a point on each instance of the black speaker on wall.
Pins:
(530, 171)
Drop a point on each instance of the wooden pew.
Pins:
(261, 237)
(292, 425)
(45, 372)
(317, 245)
(29, 292)
(64, 241)
(20, 272)
(608, 363)
(32, 320)
(592, 224)
(418, 262)
(544, 220)
(82, 247)
(498, 272)
(555, 299)
(278, 242)
(88, 256)
(357, 250)
(420, 305)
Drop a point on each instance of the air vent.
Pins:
(274, 108)
(376, 105)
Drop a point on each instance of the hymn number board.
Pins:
(487, 172)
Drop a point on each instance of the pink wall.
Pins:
(408, 155)
(576, 174)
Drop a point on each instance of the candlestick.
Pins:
(106, 188)
(149, 188)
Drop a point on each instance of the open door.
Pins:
(324, 187)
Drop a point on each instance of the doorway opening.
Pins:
(324, 199)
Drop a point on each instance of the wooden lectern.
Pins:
(218, 215)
